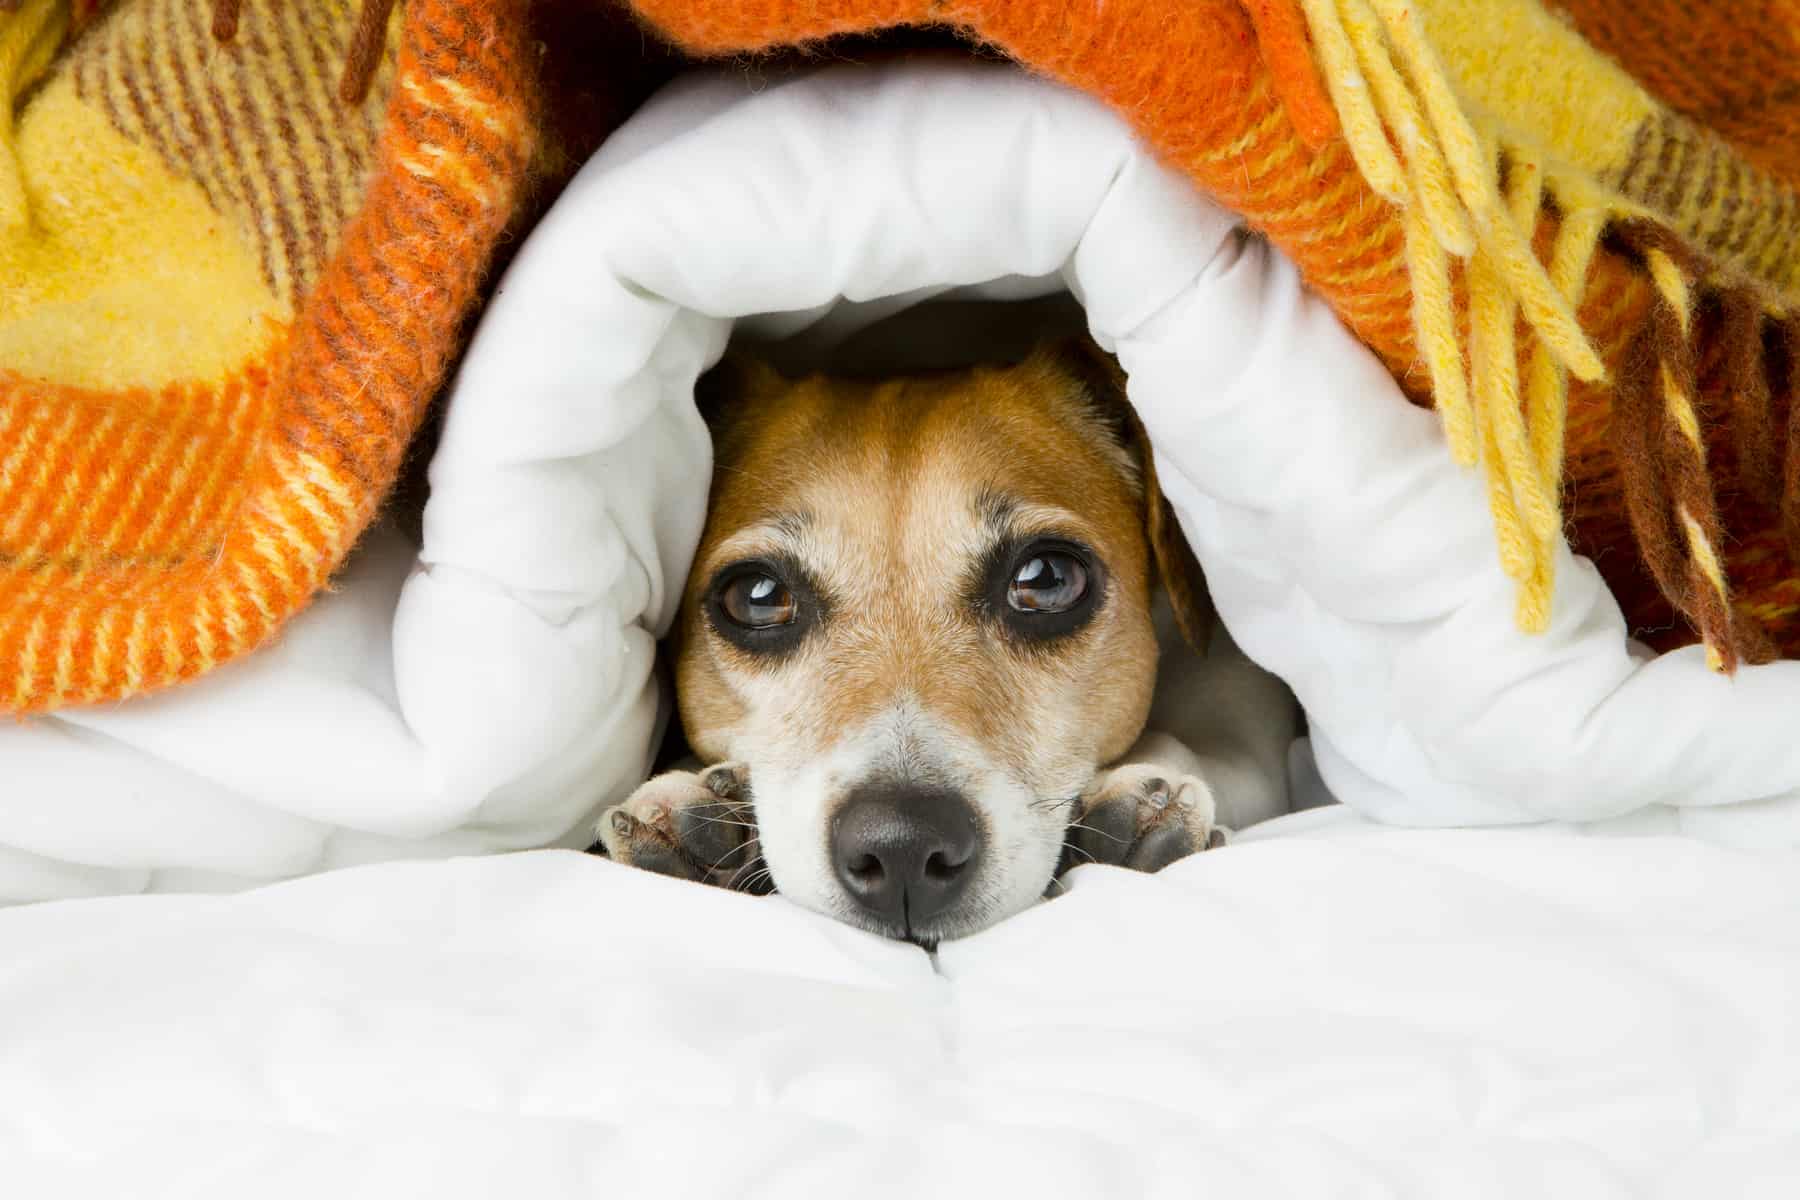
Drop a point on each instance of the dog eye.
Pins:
(1039, 591)
(757, 601)
(1047, 581)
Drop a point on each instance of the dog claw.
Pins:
(725, 782)
(1132, 817)
(692, 826)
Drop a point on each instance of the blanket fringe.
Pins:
(1790, 503)
(1465, 197)
(361, 59)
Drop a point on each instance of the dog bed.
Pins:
(1342, 1010)
(495, 692)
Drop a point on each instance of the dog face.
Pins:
(920, 616)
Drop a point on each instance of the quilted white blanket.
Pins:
(1325, 1011)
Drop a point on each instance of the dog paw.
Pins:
(1141, 817)
(692, 825)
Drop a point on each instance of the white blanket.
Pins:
(496, 691)
(1340, 1012)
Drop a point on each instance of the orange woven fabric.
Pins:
(146, 537)
(1733, 68)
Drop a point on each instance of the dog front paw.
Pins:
(692, 825)
(1141, 816)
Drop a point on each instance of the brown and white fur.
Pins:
(908, 719)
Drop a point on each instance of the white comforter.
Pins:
(1326, 1010)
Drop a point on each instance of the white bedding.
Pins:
(1321, 1010)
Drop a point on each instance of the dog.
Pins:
(943, 640)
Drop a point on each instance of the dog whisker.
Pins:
(728, 819)
(749, 847)
(698, 816)
(1099, 833)
(755, 878)
(1079, 850)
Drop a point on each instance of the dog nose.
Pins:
(904, 852)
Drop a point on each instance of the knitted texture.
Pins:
(236, 293)
(1528, 233)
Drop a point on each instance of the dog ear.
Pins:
(1182, 578)
(736, 377)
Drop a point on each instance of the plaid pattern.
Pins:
(152, 530)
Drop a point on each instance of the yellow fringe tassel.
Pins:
(1477, 185)
(1433, 188)
(1434, 323)
(1493, 365)
(1493, 358)
(1525, 192)
(1547, 385)
(1536, 491)
(1350, 96)
(1419, 149)
(1547, 392)
(1462, 148)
